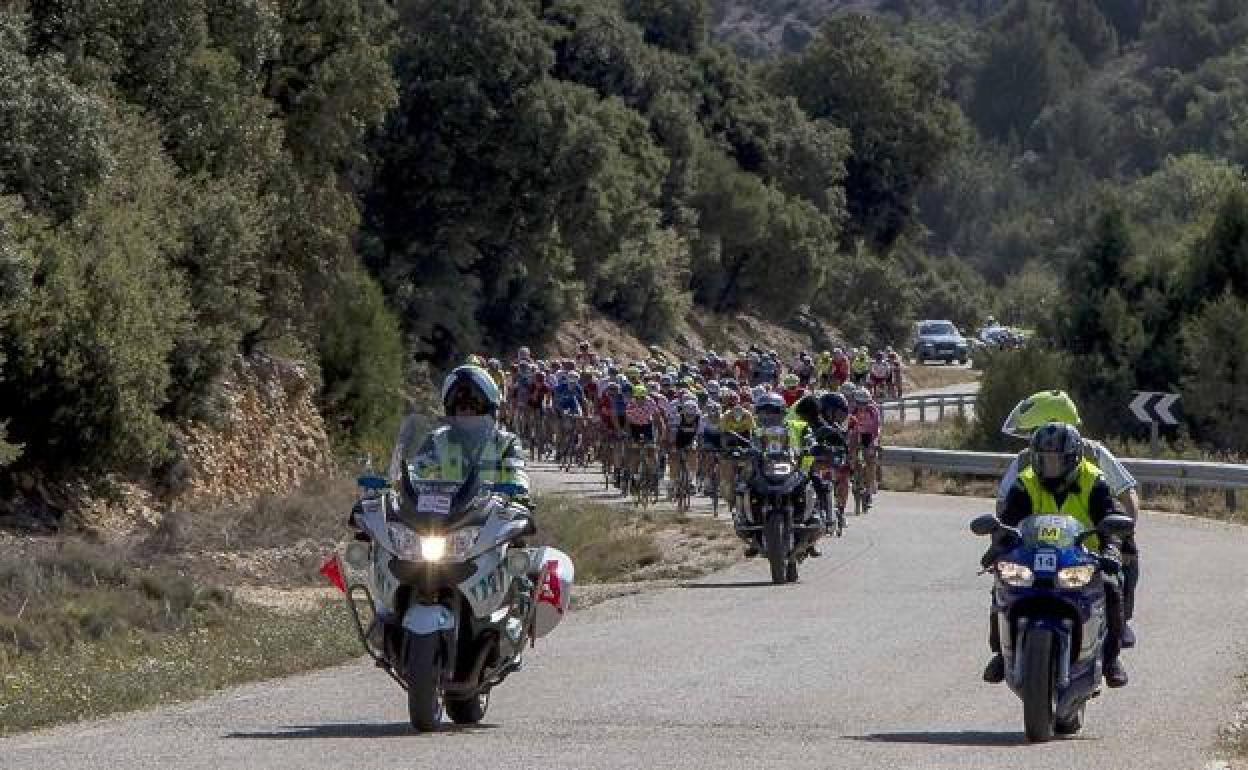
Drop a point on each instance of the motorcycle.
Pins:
(443, 593)
(1049, 599)
(770, 522)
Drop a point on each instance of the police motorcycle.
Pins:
(766, 519)
(1049, 598)
(442, 591)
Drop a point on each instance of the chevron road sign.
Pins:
(1155, 407)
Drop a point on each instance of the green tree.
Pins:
(1215, 384)
(900, 126)
(677, 25)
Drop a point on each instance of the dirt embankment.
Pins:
(698, 334)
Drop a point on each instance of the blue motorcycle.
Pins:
(1049, 601)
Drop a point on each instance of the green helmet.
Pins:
(1039, 409)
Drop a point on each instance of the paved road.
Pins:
(872, 661)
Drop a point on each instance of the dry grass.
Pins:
(138, 669)
(317, 511)
(923, 376)
(605, 542)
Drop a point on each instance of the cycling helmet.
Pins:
(862, 397)
(770, 410)
(523, 354)
(833, 406)
(1056, 452)
(640, 391)
(848, 389)
(583, 345)
(688, 406)
(790, 380)
(1040, 409)
(495, 363)
(613, 386)
(713, 411)
(807, 408)
(472, 389)
(667, 380)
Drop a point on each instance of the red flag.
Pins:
(332, 570)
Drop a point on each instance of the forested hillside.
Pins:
(371, 186)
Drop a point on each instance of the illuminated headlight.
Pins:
(432, 547)
(410, 546)
(1016, 575)
(1075, 577)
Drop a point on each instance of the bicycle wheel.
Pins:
(713, 480)
(640, 493)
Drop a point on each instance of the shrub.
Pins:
(1009, 377)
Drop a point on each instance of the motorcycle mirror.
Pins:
(372, 483)
(985, 525)
(1117, 525)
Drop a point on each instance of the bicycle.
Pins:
(682, 484)
(645, 481)
(712, 478)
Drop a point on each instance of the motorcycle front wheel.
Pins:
(423, 663)
(1038, 691)
(774, 534)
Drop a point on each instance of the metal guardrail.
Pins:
(937, 406)
(1177, 473)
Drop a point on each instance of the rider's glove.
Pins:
(989, 558)
(1111, 560)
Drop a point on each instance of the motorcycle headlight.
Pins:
(1075, 577)
(410, 546)
(462, 541)
(1017, 575)
(432, 547)
(406, 542)
(778, 469)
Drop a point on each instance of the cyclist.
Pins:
(859, 366)
(737, 425)
(878, 375)
(823, 370)
(896, 375)
(840, 368)
(866, 436)
(835, 437)
(683, 431)
(792, 389)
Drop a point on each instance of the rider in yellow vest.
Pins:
(1060, 480)
(472, 436)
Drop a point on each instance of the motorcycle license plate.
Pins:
(1046, 561)
(439, 505)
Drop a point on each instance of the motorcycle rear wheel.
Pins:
(468, 711)
(774, 536)
(1038, 692)
(423, 662)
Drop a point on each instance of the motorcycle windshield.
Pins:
(1050, 531)
(426, 500)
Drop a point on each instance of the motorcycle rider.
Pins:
(835, 435)
(1058, 479)
(772, 417)
(1036, 411)
(473, 437)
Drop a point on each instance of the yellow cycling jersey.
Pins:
(743, 425)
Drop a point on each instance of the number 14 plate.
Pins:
(1046, 561)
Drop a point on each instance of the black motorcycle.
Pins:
(777, 521)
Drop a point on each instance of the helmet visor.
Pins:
(1049, 465)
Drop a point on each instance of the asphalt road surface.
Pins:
(872, 661)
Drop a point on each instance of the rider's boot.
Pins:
(994, 672)
(1115, 673)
